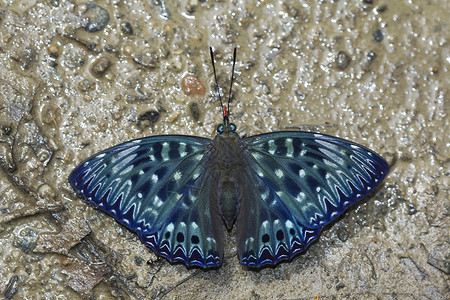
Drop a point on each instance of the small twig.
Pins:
(164, 293)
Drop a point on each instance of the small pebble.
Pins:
(127, 28)
(147, 58)
(382, 8)
(128, 49)
(116, 116)
(371, 56)
(411, 209)
(6, 130)
(192, 85)
(194, 110)
(100, 66)
(53, 51)
(11, 287)
(378, 35)
(147, 119)
(342, 60)
(368, 60)
(138, 261)
(45, 191)
(342, 234)
(86, 85)
(174, 116)
(25, 240)
(100, 19)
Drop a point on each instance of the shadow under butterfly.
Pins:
(280, 189)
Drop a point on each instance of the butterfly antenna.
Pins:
(216, 89)
(232, 79)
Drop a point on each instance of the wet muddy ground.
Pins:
(77, 77)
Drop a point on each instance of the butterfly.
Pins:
(279, 188)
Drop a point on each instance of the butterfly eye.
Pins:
(220, 128)
(232, 127)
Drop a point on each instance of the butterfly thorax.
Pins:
(227, 168)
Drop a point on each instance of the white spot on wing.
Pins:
(158, 201)
(165, 151)
(300, 197)
(265, 224)
(272, 147)
(302, 173)
(264, 195)
(195, 175)
(155, 178)
(289, 224)
(279, 173)
(290, 147)
(182, 149)
(177, 175)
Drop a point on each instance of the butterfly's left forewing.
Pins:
(303, 181)
(155, 186)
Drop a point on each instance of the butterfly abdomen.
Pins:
(228, 195)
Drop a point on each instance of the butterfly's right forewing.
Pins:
(155, 186)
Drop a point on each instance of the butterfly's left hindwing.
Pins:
(300, 182)
(153, 186)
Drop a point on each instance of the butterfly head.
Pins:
(226, 127)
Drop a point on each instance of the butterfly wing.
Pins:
(157, 187)
(300, 182)
(267, 232)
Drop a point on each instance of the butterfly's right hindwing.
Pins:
(154, 187)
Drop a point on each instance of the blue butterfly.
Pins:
(280, 189)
